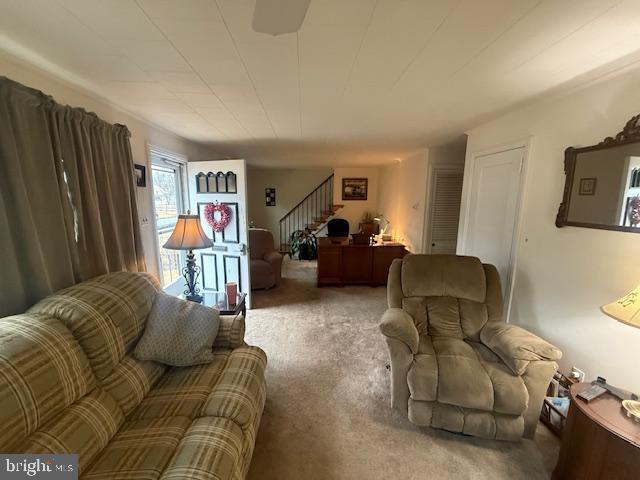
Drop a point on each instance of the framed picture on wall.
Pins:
(588, 186)
(140, 172)
(354, 188)
(270, 197)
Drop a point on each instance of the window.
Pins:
(168, 187)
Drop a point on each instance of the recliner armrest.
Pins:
(398, 324)
(273, 257)
(516, 346)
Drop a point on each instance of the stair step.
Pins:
(313, 226)
(337, 207)
(320, 219)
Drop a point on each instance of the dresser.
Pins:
(344, 264)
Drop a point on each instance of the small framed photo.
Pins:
(588, 186)
(270, 197)
(354, 188)
(140, 172)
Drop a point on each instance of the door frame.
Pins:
(526, 144)
(457, 167)
(184, 193)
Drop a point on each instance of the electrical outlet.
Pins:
(577, 374)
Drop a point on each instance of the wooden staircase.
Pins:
(313, 213)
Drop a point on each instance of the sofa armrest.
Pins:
(231, 332)
(516, 346)
(398, 324)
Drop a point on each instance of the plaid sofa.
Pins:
(70, 384)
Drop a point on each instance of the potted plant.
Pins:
(303, 244)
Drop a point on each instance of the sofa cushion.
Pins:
(182, 391)
(210, 450)
(178, 332)
(105, 315)
(85, 428)
(239, 394)
(131, 380)
(141, 449)
(443, 276)
(43, 370)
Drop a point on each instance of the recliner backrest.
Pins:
(260, 243)
(446, 295)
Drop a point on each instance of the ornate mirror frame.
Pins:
(629, 134)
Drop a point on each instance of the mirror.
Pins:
(602, 187)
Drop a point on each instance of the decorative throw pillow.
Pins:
(178, 332)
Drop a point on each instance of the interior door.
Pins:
(494, 203)
(222, 181)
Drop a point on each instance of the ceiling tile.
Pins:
(361, 78)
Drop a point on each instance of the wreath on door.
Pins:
(218, 215)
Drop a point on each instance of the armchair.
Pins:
(265, 262)
(455, 364)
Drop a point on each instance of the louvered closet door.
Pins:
(446, 190)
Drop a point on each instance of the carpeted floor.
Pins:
(327, 414)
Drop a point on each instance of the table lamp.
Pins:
(625, 309)
(384, 224)
(188, 235)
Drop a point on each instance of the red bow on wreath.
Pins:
(219, 222)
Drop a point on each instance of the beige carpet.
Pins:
(327, 414)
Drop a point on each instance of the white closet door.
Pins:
(494, 203)
(444, 211)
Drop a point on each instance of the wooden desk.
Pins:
(343, 264)
(599, 441)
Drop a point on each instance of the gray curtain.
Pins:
(67, 197)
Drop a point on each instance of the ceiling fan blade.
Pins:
(277, 17)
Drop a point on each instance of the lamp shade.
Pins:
(188, 234)
(626, 309)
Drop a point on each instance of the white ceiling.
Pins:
(363, 81)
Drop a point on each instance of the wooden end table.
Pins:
(220, 302)
(599, 441)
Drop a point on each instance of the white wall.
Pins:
(354, 209)
(402, 197)
(404, 192)
(141, 134)
(291, 184)
(564, 275)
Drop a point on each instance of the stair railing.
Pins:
(310, 212)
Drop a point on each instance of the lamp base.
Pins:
(190, 274)
(194, 298)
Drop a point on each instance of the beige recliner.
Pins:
(455, 364)
(265, 262)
